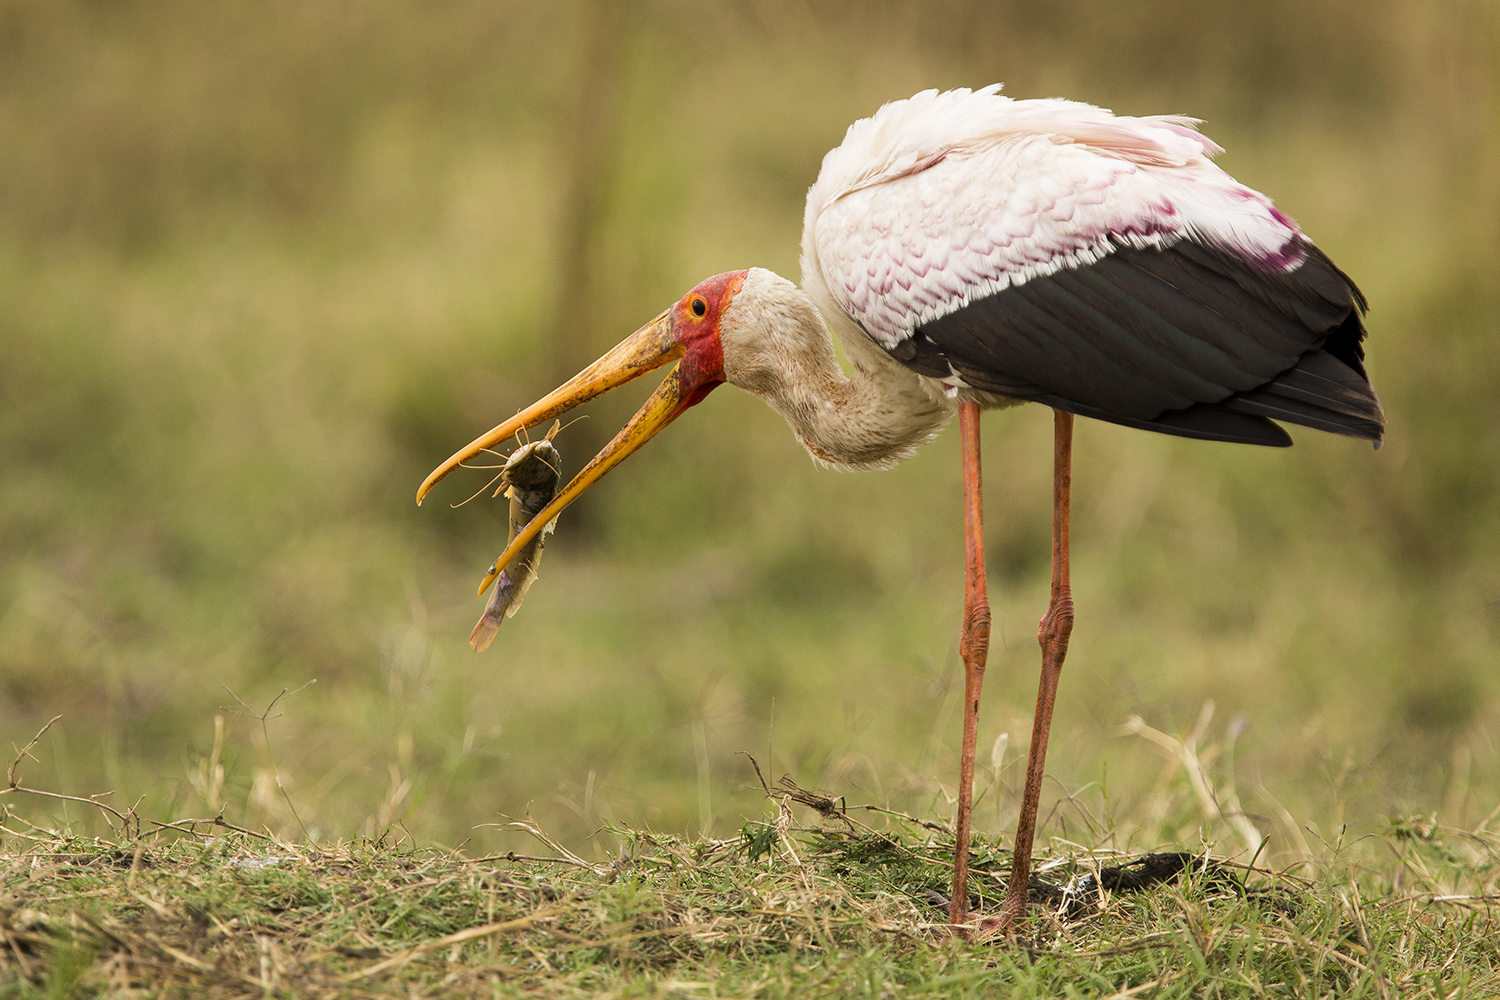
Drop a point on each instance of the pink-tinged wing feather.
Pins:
(946, 198)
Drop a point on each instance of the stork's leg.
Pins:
(1053, 632)
(973, 646)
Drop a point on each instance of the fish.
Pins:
(530, 477)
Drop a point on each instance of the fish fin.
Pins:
(484, 633)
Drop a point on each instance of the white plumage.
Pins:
(947, 197)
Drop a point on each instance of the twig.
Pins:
(826, 805)
(128, 821)
(753, 763)
(513, 856)
(46, 833)
(568, 857)
(218, 821)
(10, 774)
(924, 824)
(266, 732)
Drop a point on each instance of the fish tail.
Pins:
(484, 633)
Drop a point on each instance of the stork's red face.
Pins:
(688, 331)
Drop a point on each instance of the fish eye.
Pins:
(699, 305)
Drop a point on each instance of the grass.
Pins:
(202, 908)
(816, 896)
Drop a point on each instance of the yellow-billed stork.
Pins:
(976, 252)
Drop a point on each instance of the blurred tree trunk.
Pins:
(588, 145)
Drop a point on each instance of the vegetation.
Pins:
(777, 911)
(264, 264)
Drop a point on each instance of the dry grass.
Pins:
(188, 911)
(202, 907)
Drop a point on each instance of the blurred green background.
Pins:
(264, 264)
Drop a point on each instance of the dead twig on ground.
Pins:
(130, 823)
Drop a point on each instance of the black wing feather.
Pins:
(1188, 340)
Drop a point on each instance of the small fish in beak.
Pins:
(530, 478)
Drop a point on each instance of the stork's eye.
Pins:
(699, 305)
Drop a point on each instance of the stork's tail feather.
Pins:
(1328, 388)
(1321, 392)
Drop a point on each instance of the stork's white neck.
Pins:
(777, 346)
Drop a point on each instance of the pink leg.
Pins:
(973, 647)
(1053, 632)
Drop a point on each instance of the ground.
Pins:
(203, 908)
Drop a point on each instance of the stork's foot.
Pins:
(980, 929)
(1007, 923)
(997, 927)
